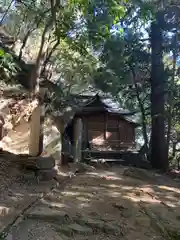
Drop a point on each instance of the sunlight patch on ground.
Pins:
(113, 186)
(89, 188)
(83, 205)
(57, 205)
(170, 204)
(110, 177)
(169, 188)
(127, 188)
(140, 199)
(146, 188)
(54, 204)
(170, 198)
(60, 172)
(114, 194)
(106, 174)
(68, 193)
(83, 199)
(4, 210)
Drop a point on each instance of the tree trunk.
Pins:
(37, 68)
(171, 95)
(49, 56)
(31, 30)
(24, 43)
(141, 106)
(159, 156)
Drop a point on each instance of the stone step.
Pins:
(75, 228)
(48, 214)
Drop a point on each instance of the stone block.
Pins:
(75, 228)
(79, 229)
(45, 213)
(29, 176)
(47, 175)
(93, 223)
(44, 163)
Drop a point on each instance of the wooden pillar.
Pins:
(61, 131)
(85, 136)
(2, 122)
(78, 130)
(105, 125)
(119, 134)
(42, 118)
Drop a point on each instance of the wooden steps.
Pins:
(127, 158)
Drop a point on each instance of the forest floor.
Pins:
(112, 203)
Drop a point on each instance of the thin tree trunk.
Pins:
(36, 71)
(150, 148)
(141, 106)
(54, 5)
(29, 32)
(49, 56)
(24, 43)
(174, 149)
(19, 29)
(159, 156)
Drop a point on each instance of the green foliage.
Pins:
(7, 65)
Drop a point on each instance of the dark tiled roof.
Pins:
(75, 103)
(110, 106)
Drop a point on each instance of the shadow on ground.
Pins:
(105, 205)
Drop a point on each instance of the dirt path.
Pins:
(17, 192)
(103, 205)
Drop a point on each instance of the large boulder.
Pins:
(140, 174)
(52, 142)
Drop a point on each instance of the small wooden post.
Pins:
(78, 130)
(2, 122)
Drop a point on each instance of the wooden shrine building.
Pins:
(100, 126)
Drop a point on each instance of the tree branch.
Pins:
(6, 12)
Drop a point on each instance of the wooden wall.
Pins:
(108, 132)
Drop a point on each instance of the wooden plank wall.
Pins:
(109, 132)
